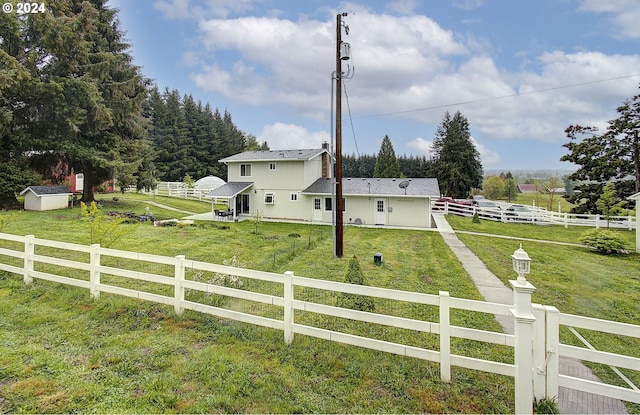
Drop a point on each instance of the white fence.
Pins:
(537, 215)
(176, 189)
(535, 370)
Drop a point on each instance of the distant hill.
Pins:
(531, 174)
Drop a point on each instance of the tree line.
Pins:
(71, 99)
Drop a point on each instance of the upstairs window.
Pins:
(272, 166)
(245, 170)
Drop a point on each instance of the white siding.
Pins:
(49, 202)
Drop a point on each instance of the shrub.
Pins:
(359, 302)
(603, 241)
(476, 218)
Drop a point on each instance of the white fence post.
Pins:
(179, 287)
(597, 221)
(539, 352)
(523, 345)
(29, 248)
(445, 338)
(288, 307)
(94, 273)
(552, 369)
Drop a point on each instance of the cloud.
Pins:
(409, 67)
(188, 9)
(281, 136)
(624, 15)
(421, 146)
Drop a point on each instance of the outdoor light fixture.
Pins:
(521, 264)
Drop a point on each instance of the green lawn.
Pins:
(61, 351)
(576, 280)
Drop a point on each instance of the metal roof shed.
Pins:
(46, 197)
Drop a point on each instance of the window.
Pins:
(269, 198)
(328, 204)
(317, 204)
(294, 197)
(272, 166)
(245, 170)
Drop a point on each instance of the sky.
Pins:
(520, 71)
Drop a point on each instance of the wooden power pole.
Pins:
(339, 234)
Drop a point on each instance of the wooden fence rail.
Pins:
(535, 371)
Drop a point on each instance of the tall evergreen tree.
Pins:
(75, 98)
(386, 162)
(457, 163)
(611, 156)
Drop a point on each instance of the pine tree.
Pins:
(457, 163)
(386, 162)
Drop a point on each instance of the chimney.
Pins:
(326, 161)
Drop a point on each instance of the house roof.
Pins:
(230, 189)
(274, 155)
(47, 190)
(380, 187)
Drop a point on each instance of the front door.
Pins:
(380, 213)
(317, 209)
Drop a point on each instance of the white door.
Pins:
(380, 214)
(317, 209)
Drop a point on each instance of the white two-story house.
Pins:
(296, 185)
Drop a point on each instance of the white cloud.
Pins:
(186, 9)
(421, 146)
(411, 66)
(281, 136)
(489, 158)
(625, 15)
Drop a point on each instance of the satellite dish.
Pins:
(403, 185)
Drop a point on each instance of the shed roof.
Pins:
(420, 187)
(275, 155)
(47, 190)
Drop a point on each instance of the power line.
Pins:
(497, 97)
(353, 131)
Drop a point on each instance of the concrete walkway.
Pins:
(493, 290)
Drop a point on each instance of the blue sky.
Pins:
(520, 71)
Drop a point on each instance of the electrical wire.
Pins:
(496, 98)
(353, 131)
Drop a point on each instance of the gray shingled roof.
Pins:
(230, 189)
(270, 155)
(47, 190)
(380, 187)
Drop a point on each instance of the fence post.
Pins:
(288, 307)
(539, 352)
(597, 221)
(552, 370)
(445, 338)
(179, 288)
(94, 273)
(446, 208)
(523, 345)
(566, 221)
(29, 248)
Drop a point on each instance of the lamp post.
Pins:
(523, 332)
(521, 264)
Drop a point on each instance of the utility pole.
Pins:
(339, 234)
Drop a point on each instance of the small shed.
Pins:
(46, 197)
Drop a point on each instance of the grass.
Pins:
(576, 280)
(62, 352)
